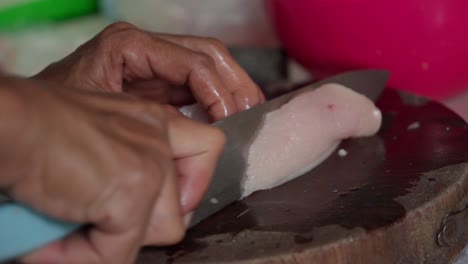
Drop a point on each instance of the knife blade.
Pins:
(22, 229)
(241, 128)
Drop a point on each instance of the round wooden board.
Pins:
(397, 197)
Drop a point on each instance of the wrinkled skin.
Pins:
(77, 144)
(108, 160)
(166, 68)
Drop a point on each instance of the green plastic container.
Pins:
(32, 12)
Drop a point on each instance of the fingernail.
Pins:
(187, 219)
(243, 102)
(247, 104)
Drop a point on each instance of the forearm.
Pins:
(16, 130)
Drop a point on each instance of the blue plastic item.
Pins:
(23, 230)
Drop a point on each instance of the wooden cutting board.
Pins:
(398, 197)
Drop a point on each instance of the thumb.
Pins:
(196, 148)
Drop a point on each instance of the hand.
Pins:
(110, 161)
(160, 66)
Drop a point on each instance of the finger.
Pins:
(84, 248)
(166, 225)
(123, 212)
(152, 90)
(180, 96)
(261, 95)
(197, 148)
(245, 92)
(160, 91)
(179, 66)
(80, 248)
(118, 246)
(72, 249)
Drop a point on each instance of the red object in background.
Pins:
(423, 42)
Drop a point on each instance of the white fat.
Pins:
(342, 152)
(377, 114)
(195, 112)
(414, 126)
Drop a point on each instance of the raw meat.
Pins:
(195, 112)
(304, 132)
(342, 153)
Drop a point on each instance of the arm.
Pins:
(96, 158)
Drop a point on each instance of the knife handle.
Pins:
(23, 230)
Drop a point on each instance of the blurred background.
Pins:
(34, 33)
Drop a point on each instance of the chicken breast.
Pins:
(304, 132)
(195, 112)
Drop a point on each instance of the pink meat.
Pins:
(195, 112)
(305, 131)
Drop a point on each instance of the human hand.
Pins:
(167, 68)
(128, 169)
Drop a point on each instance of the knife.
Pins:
(22, 229)
(241, 128)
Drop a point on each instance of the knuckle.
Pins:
(135, 165)
(141, 172)
(118, 26)
(203, 62)
(120, 34)
(162, 160)
(215, 45)
(131, 163)
(215, 138)
(153, 115)
(131, 37)
(176, 236)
